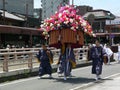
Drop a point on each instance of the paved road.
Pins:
(80, 77)
(112, 83)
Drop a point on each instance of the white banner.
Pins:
(113, 22)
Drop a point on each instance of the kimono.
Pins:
(45, 63)
(66, 62)
(96, 54)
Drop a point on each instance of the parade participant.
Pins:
(66, 61)
(119, 53)
(97, 53)
(109, 53)
(45, 57)
(70, 57)
(61, 60)
(88, 52)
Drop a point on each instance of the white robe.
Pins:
(109, 52)
(119, 52)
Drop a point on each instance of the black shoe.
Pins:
(99, 78)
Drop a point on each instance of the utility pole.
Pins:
(72, 2)
(65, 2)
(26, 14)
(3, 11)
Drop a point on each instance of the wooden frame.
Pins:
(66, 36)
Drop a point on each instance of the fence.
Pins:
(11, 59)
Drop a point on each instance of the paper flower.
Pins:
(66, 18)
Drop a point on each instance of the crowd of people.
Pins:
(67, 59)
(65, 63)
(97, 52)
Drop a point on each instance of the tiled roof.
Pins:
(11, 16)
(99, 14)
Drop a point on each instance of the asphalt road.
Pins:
(80, 77)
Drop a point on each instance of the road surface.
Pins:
(80, 77)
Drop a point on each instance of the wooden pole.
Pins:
(30, 64)
(5, 63)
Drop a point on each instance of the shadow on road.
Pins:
(75, 80)
(45, 78)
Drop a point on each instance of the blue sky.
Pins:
(111, 5)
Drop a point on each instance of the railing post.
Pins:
(15, 55)
(5, 63)
(30, 64)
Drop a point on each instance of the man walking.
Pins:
(45, 57)
(96, 55)
(66, 61)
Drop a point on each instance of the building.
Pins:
(11, 19)
(113, 30)
(21, 8)
(38, 13)
(18, 6)
(13, 32)
(81, 10)
(20, 36)
(49, 7)
(15, 19)
(97, 19)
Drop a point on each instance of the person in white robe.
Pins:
(109, 53)
(119, 53)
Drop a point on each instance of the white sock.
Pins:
(65, 78)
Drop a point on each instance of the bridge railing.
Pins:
(11, 59)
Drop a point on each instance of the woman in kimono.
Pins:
(45, 57)
(66, 61)
(97, 53)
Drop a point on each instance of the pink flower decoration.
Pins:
(66, 15)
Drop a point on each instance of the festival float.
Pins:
(65, 26)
